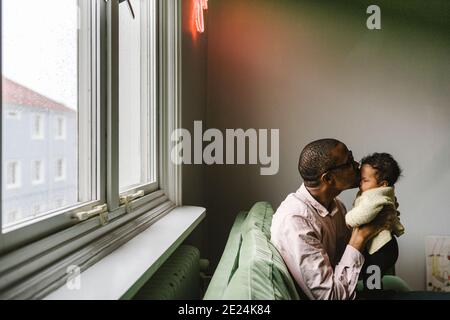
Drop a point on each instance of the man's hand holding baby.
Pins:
(384, 221)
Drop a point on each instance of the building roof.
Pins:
(14, 93)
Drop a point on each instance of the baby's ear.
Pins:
(384, 184)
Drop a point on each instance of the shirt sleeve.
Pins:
(310, 265)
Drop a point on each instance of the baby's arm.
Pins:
(366, 210)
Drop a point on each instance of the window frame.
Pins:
(33, 248)
(148, 26)
(22, 233)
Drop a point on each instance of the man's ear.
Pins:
(327, 178)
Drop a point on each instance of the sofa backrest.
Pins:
(228, 262)
(251, 267)
(259, 217)
(261, 274)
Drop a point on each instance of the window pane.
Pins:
(137, 94)
(43, 67)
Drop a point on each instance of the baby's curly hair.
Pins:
(386, 166)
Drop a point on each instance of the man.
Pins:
(323, 255)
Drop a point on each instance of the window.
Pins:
(49, 71)
(38, 126)
(12, 174)
(137, 94)
(107, 84)
(60, 170)
(38, 172)
(13, 115)
(60, 128)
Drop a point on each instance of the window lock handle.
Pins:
(100, 211)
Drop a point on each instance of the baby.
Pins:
(379, 173)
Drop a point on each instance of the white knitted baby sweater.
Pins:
(367, 206)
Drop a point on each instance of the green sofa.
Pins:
(251, 268)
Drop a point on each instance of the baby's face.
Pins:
(368, 178)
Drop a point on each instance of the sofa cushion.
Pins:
(262, 274)
(259, 217)
(228, 262)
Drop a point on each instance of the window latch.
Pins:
(126, 200)
(101, 211)
(129, 6)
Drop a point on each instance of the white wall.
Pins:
(313, 71)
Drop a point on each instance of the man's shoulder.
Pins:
(292, 214)
(293, 205)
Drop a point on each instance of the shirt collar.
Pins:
(304, 194)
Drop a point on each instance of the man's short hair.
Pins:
(385, 165)
(315, 159)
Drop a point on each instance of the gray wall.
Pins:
(194, 47)
(313, 71)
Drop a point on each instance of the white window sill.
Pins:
(117, 274)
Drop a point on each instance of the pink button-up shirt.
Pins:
(313, 243)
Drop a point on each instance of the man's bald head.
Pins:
(315, 159)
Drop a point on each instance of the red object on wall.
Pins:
(199, 6)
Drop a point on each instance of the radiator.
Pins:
(177, 279)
